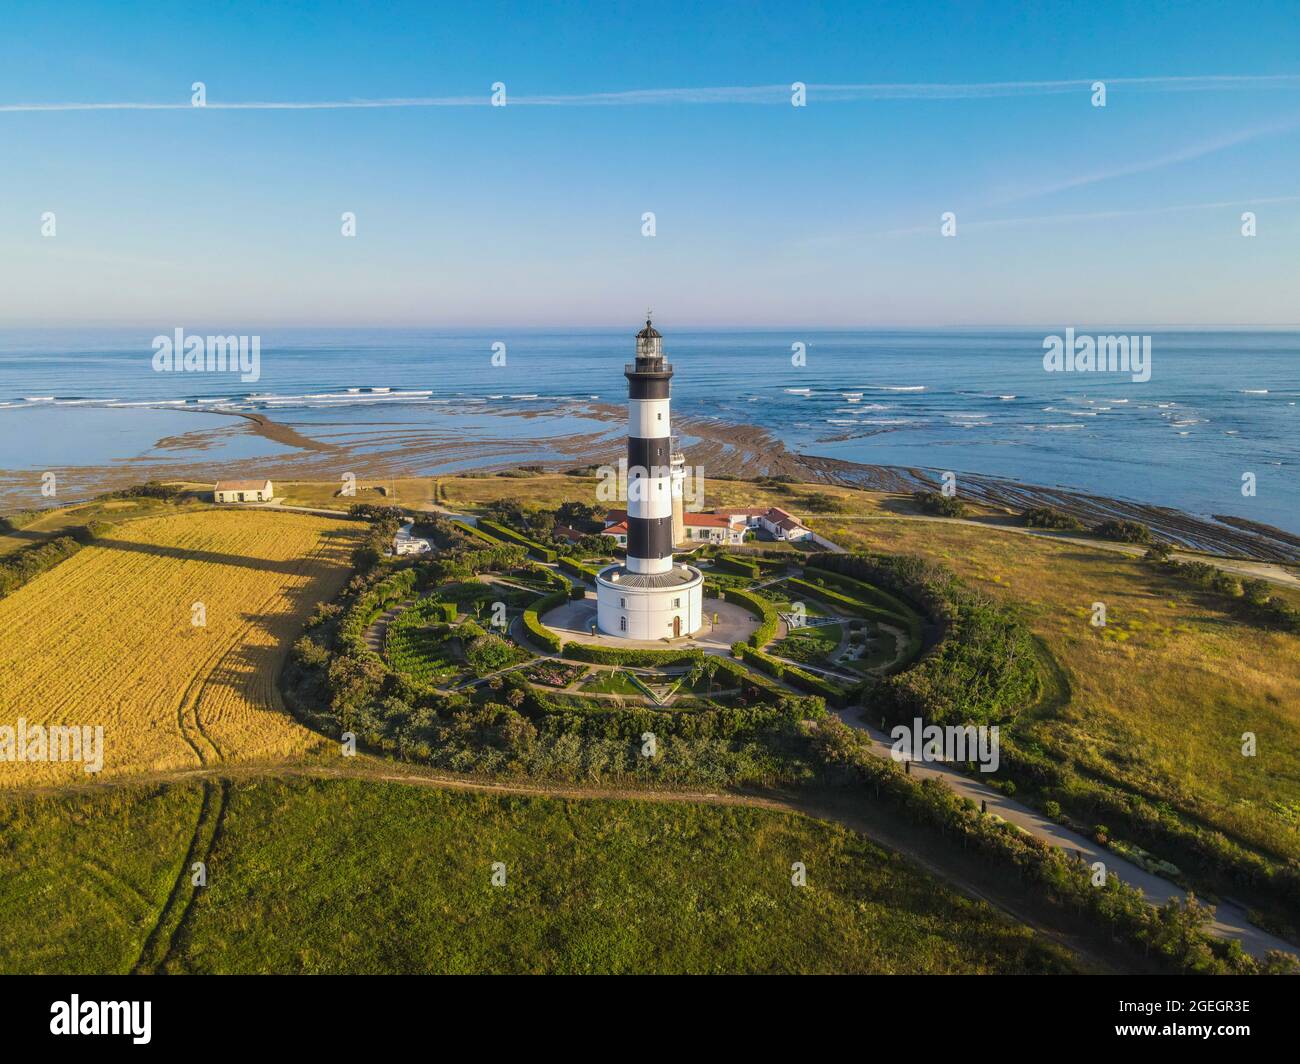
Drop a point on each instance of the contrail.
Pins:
(1091, 216)
(742, 94)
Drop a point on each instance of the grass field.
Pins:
(400, 491)
(1160, 697)
(57, 521)
(361, 876)
(107, 638)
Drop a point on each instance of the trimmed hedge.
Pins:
(761, 608)
(630, 655)
(875, 599)
(479, 534)
(730, 564)
(582, 572)
(504, 532)
(538, 631)
(792, 674)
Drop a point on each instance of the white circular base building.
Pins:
(666, 605)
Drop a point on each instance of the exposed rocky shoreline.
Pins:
(720, 448)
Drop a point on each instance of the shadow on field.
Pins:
(264, 565)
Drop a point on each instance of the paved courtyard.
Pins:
(574, 620)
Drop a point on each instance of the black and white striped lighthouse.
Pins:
(649, 446)
(647, 597)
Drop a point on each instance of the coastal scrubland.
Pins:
(1158, 699)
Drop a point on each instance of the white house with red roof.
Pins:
(722, 526)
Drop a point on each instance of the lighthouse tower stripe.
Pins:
(649, 485)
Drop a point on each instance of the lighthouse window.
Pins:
(622, 604)
(677, 603)
(661, 415)
(622, 624)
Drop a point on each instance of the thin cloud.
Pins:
(1090, 216)
(735, 94)
(1159, 162)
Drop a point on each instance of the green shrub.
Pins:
(935, 502)
(1050, 517)
(1123, 531)
(23, 565)
(489, 653)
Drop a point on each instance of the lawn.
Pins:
(361, 876)
(611, 682)
(809, 645)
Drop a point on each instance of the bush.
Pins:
(91, 531)
(934, 502)
(489, 653)
(1123, 531)
(18, 568)
(1050, 517)
(18, 520)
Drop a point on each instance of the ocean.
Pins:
(1218, 404)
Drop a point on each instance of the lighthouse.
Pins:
(648, 597)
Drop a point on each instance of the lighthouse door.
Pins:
(677, 627)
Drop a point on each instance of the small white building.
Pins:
(242, 491)
(722, 526)
(405, 543)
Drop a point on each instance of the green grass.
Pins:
(810, 646)
(360, 876)
(611, 682)
(82, 880)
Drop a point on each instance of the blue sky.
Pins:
(766, 214)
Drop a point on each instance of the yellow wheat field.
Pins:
(107, 638)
